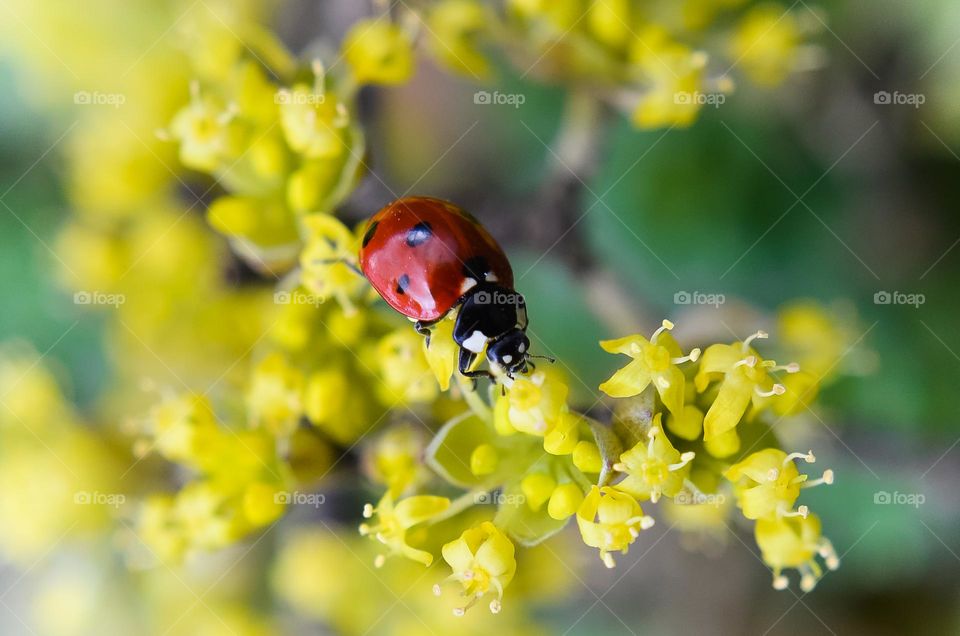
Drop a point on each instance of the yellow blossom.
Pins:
(203, 129)
(767, 483)
(441, 350)
(745, 379)
(379, 52)
(393, 521)
(673, 79)
(534, 404)
(483, 562)
(795, 542)
(654, 360)
(454, 29)
(654, 468)
(314, 121)
(766, 43)
(275, 395)
(610, 520)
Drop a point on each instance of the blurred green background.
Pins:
(712, 209)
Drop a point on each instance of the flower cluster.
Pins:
(274, 382)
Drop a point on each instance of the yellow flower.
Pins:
(404, 368)
(673, 80)
(203, 130)
(610, 520)
(274, 397)
(185, 429)
(654, 468)
(766, 43)
(394, 458)
(394, 521)
(745, 379)
(324, 260)
(654, 360)
(767, 483)
(455, 27)
(379, 52)
(795, 542)
(314, 121)
(533, 404)
(482, 561)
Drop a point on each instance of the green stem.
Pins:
(480, 408)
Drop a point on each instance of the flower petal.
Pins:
(628, 381)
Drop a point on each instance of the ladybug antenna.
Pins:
(547, 358)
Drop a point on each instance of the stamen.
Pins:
(808, 457)
(827, 479)
(608, 560)
(780, 582)
(229, 114)
(752, 337)
(778, 389)
(685, 459)
(808, 582)
(436, 589)
(801, 511)
(750, 361)
(495, 606)
(693, 356)
(365, 529)
(793, 367)
(620, 467)
(343, 116)
(666, 325)
(379, 561)
(367, 511)
(319, 77)
(773, 474)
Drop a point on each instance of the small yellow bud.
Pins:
(723, 445)
(484, 460)
(537, 488)
(261, 504)
(564, 501)
(379, 52)
(586, 457)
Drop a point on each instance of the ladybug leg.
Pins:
(467, 358)
(423, 328)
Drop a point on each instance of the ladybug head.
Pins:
(510, 351)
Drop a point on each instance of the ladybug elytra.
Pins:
(426, 257)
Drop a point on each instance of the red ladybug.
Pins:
(425, 257)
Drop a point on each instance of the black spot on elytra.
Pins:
(476, 268)
(402, 283)
(368, 235)
(419, 234)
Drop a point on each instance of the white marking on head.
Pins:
(492, 278)
(522, 348)
(508, 358)
(467, 285)
(476, 342)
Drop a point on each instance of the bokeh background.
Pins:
(813, 191)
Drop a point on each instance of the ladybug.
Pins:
(426, 257)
